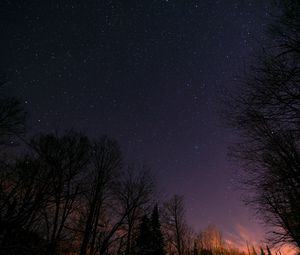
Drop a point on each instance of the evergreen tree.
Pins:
(144, 240)
(158, 239)
(150, 240)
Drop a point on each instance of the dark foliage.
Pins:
(158, 239)
(150, 240)
(12, 116)
(144, 241)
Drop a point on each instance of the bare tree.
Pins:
(135, 194)
(105, 166)
(63, 159)
(20, 193)
(267, 113)
(12, 116)
(210, 239)
(22, 197)
(175, 226)
(129, 196)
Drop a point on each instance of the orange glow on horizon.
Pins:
(244, 240)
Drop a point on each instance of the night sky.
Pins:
(148, 73)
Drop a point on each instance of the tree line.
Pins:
(67, 194)
(64, 193)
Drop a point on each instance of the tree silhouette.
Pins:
(135, 195)
(12, 116)
(63, 157)
(175, 226)
(144, 243)
(158, 239)
(22, 197)
(210, 239)
(105, 163)
(150, 240)
(267, 113)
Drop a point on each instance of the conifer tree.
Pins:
(158, 239)
(150, 240)
(144, 240)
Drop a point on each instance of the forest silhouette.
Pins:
(64, 193)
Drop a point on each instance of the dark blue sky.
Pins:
(149, 73)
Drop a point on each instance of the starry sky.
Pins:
(150, 74)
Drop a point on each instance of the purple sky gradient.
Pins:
(149, 73)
